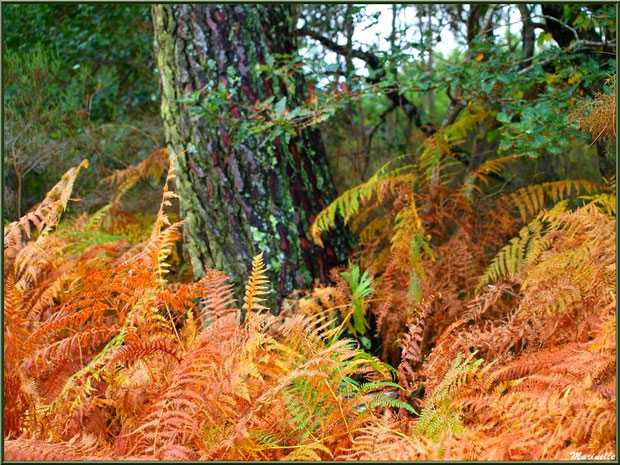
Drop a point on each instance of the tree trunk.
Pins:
(528, 37)
(241, 194)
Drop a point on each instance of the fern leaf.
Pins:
(45, 217)
(513, 257)
(308, 452)
(256, 287)
(348, 203)
(382, 400)
(530, 200)
(361, 287)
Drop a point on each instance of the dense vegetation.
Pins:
(475, 318)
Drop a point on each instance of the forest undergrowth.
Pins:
(465, 327)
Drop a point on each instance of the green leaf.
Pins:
(544, 38)
(503, 117)
(280, 106)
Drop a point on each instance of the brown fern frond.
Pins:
(598, 116)
(162, 218)
(46, 297)
(216, 295)
(152, 168)
(384, 441)
(489, 167)
(72, 314)
(16, 323)
(412, 345)
(81, 341)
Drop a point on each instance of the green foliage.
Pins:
(382, 400)
(534, 101)
(270, 118)
(73, 76)
(112, 42)
(83, 239)
(532, 98)
(42, 121)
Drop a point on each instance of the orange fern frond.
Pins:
(44, 217)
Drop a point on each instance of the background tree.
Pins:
(525, 63)
(113, 42)
(244, 188)
(79, 81)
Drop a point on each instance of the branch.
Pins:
(375, 64)
(549, 28)
(562, 33)
(370, 58)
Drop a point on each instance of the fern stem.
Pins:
(346, 423)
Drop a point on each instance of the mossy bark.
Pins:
(241, 194)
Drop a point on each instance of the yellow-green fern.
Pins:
(530, 200)
(439, 415)
(511, 259)
(348, 204)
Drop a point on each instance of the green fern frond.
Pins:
(606, 201)
(522, 250)
(97, 218)
(513, 257)
(457, 374)
(382, 400)
(267, 439)
(361, 287)
(302, 406)
(372, 229)
(376, 385)
(406, 223)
